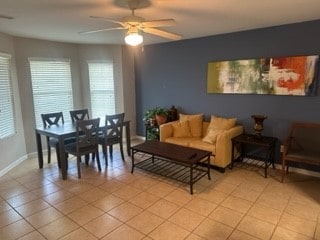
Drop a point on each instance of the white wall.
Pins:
(22, 48)
(13, 148)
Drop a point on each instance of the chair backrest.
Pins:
(87, 134)
(303, 136)
(49, 119)
(81, 114)
(114, 126)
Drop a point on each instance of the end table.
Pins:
(264, 149)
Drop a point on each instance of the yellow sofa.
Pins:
(221, 149)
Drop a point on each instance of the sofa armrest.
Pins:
(224, 145)
(166, 131)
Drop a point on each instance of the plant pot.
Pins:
(161, 119)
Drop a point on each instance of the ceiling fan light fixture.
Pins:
(133, 38)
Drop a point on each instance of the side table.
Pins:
(152, 132)
(262, 149)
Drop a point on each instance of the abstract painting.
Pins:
(297, 75)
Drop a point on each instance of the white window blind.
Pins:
(101, 88)
(7, 119)
(51, 87)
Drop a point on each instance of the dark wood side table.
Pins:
(260, 149)
(152, 132)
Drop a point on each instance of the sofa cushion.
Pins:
(181, 129)
(221, 123)
(199, 144)
(195, 123)
(212, 135)
(182, 141)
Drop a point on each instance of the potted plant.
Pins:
(150, 116)
(161, 115)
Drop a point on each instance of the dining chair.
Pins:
(81, 114)
(86, 141)
(48, 120)
(112, 134)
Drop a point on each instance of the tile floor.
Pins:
(115, 204)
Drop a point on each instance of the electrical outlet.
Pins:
(281, 148)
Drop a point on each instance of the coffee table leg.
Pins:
(132, 160)
(191, 179)
(209, 177)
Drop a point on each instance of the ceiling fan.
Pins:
(135, 25)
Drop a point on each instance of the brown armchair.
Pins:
(302, 145)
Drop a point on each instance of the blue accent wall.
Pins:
(175, 73)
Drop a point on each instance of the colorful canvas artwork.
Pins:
(296, 75)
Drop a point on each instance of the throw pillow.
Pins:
(212, 135)
(195, 123)
(181, 129)
(221, 123)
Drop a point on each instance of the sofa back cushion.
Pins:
(195, 123)
(181, 129)
(221, 123)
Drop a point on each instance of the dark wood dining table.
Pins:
(64, 131)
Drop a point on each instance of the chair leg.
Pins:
(121, 151)
(283, 170)
(106, 156)
(58, 156)
(111, 150)
(98, 161)
(104, 150)
(78, 166)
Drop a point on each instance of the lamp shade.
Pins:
(133, 39)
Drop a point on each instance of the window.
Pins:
(7, 120)
(51, 87)
(101, 89)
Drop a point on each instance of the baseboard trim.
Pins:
(12, 165)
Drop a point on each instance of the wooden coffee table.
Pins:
(183, 164)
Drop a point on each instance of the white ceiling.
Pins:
(62, 20)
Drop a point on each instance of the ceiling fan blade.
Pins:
(160, 23)
(107, 19)
(101, 30)
(161, 33)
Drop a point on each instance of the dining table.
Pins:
(64, 131)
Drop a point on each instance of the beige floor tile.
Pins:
(15, 230)
(237, 204)
(302, 210)
(12, 192)
(125, 211)
(143, 183)
(102, 225)
(238, 235)
(112, 186)
(297, 224)
(145, 222)
(46, 189)
(210, 229)
(70, 205)
(85, 214)
(44, 217)
(35, 235)
(58, 197)
(123, 232)
(226, 216)
(79, 234)
(256, 227)
(187, 219)
(201, 206)
(126, 192)
(9, 217)
(163, 208)
(79, 188)
(21, 199)
(161, 189)
(285, 234)
(58, 228)
(265, 213)
(213, 195)
(223, 187)
(4, 206)
(93, 195)
(194, 237)
(33, 207)
(246, 193)
(107, 203)
(179, 197)
(144, 200)
(169, 231)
